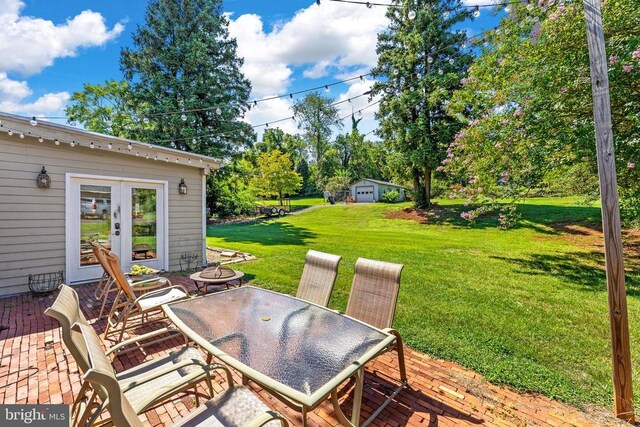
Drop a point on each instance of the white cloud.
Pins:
(332, 35)
(13, 95)
(28, 44)
(269, 112)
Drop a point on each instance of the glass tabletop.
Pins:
(300, 345)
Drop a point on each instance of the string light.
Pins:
(110, 146)
(183, 117)
(218, 111)
(129, 147)
(411, 15)
(22, 136)
(72, 143)
(40, 139)
(56, 141)
(92, 146)
(476, 12)
(10, 132)
(33, 121)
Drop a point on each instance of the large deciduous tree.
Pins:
(274, 175)
(420, 63)
(317, 117)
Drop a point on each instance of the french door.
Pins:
(125, 216)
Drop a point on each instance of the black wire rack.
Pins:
(44, 283)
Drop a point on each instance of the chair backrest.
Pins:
(66, 310)
(374, 292)
(116, 273)
(99, 252)
(318, 277)
(103, 380)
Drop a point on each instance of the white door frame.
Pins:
(70, 218)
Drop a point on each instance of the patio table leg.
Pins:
(357, 402)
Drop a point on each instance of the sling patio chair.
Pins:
(129, 309)
(372, 300)
(145, 385)
(102, 391)
(318, 277)
(107, 284)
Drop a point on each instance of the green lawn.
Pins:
(526, 307)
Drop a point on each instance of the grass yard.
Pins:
(525, 307)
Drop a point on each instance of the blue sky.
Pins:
(49, 49)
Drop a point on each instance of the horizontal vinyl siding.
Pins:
(32, 220)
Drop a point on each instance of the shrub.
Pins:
(391, 197)
(239, 203)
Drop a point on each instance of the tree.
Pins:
(274, 175)
(316, 116)
(422, 62)
(527, 101)
(107, 108)
(184, 61)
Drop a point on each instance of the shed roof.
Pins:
(65, 134)
(390, 184)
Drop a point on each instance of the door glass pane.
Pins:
(95, 220)
(143, 229)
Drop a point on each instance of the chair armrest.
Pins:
(157, 291)
(116, 348)
(148, 284)
(265, 417)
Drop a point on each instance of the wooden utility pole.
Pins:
(620, 349)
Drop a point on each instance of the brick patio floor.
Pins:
(36, 368)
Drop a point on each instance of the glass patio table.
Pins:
(298, 351)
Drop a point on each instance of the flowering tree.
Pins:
(527, 104)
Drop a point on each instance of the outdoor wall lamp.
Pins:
(182, 187)
(43, 180)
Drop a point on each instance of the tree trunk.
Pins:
(427, 187)
(280, 196)
(418, 189)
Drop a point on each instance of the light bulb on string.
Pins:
(326, 89)
(218, 111)
(92, 146)
(476, 11)
(430, 59)
(189, 161)
(146, 156)
(440, 71)
(10, 132)
(369, 5)
(451, 61)
(145, 120)
(183, 117)
(33, 121)
(507, 9)
(156, 158)
(40, 139)
(411, 15)
(72, 144)
(464, 45)
(445, 15)
(56, 141)
(22, 136)
(166, 159)
(110, 146)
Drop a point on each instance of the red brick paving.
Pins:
(36, 368)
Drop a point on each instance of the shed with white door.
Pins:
(371, 190)
(62, 187)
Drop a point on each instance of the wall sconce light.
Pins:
(43, 180)
(182, 187)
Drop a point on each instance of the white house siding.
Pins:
(32, 219)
